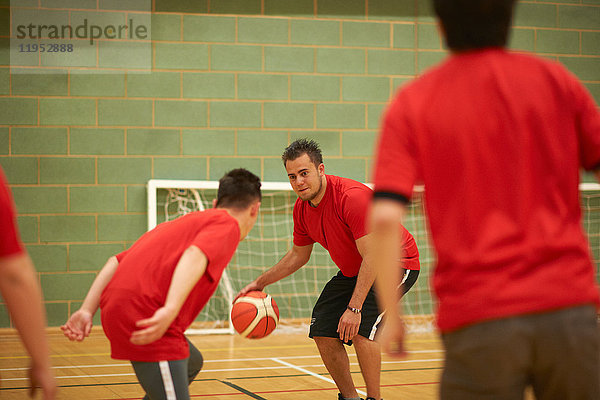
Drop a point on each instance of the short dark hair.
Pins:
(475, 24)
(238, 188)
(303, 146)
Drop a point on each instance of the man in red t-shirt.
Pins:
(331, 210)
(23, 296)
(498, 139)
(151, 293)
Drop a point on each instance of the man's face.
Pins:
(305, 177)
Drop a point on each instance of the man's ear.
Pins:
(255, 208)
(321, 169)
(214, 203)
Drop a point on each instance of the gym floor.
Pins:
(279, 367)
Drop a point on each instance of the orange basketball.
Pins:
(255, 315)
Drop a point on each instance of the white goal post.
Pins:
(271, 238)
(154, 184)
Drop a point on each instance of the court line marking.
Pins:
(204, 350)
(321, 389)
(242, 390)
(215, 379)
(3, 389)
(70, 366)
(300, 390)
(297, 368)
(237, 378)
(290, 391)
(205, 361)
(292, 366)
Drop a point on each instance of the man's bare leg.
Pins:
(336, 361)
(368, 353)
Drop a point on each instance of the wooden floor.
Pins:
(279, 367)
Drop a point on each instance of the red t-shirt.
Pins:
(10, 243)
(140, 285)
(339, 220)
(497, 138)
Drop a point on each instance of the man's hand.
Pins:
(79, 326)
(392, 336)
(348, 325)
(249, 288)
(154, 327)
(42, 377)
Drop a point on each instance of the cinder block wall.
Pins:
(232, 83)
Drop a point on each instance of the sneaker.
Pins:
(340, 397)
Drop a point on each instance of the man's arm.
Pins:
(291, 262)
(79, 325)
(385, 217)
(350, 321)
(23, 298)
(190, 268)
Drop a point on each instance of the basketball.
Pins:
(255, 315)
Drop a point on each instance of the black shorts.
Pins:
(334, 299)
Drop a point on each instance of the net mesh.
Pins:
(295, 295)
(590, 202)
(268, 242)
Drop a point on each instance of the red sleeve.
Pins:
(396, 166)
(588, 127)
(218, 241)
(354, 208)
(410, 257)
(122, 255)
(301, 237)
(10, 244)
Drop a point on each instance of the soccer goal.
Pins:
(266, 244)
(271, 238)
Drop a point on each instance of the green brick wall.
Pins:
(232, 83)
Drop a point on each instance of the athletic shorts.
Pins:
(556, 353)
(334, 299)
(169, 380)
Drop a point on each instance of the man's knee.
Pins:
(363, 340)
(325, 343)
(195, 362)
(326, 340)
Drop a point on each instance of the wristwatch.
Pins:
(354, 310)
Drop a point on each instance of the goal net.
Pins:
(271, 238)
